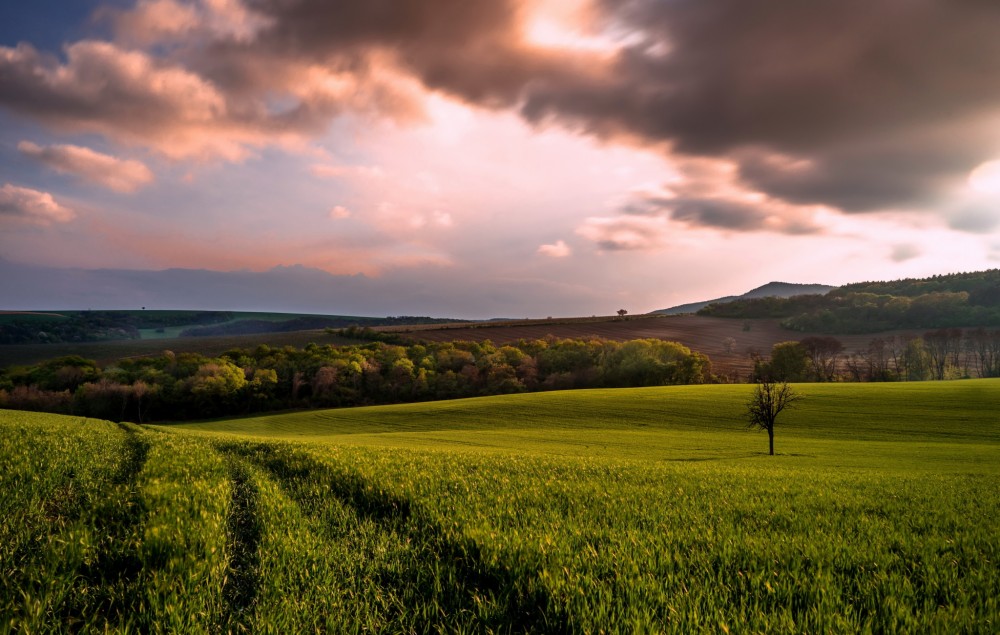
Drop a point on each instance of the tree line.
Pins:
(969, 299)
(947, 353)
(184, 386)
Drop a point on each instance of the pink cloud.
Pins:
(326, 171)
(125, 95)
(120, 175)
(559, 249)
(340, 212)
(152, 21)
(25, 205)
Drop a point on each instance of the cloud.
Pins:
(126, 95)
(559, 249)
(325, 171)
(24, 205)
(845, 104)
(625, 233)
(442, 219)
(708, 194)
(135, 98)
(904, 252)
(408, 221)
(885, 103)
(121, 175)
(340, 212)
(152, 22)
(981, 218)
(429, 290)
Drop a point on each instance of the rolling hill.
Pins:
(769, 290)
(635, 510)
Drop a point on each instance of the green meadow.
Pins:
(617, 511)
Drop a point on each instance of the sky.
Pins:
(489, 158)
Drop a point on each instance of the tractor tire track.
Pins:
(464, 574)
(243, 533)
(107, 588)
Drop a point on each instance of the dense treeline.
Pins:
(948, 353)
(192, 386)
(968, 299)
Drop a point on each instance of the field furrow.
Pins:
(106, 587)
(243, 535)
(422, 577)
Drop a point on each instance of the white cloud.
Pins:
(557, 250)
(120, 175)
(22, 204)
(340, 212)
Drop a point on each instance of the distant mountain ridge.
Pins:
(769, 290)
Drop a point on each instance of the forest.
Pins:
(955, 300)
(172, 387)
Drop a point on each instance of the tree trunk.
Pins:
(770, 439)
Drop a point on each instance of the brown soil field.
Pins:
(706, 335)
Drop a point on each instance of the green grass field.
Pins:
(618, 511)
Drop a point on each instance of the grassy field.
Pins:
(619, 511)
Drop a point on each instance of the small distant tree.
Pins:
(769, 398)
(622, 313)
(823, 353)
(729, 345)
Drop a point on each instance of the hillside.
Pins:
(646, 510)
(771, 289)
(953, 300)
(75, 327)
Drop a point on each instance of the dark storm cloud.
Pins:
(854, 104)
(472, 49)
(723, 213)
(889, 102)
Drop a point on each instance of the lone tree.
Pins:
(622, 313)
(768, 400)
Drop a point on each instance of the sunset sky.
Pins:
(480, 158)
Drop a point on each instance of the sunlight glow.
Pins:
(569, 26)
(985, 179)
(546, 32)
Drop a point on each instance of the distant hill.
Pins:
(944, 301)
(26, 327)
(769, 290)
